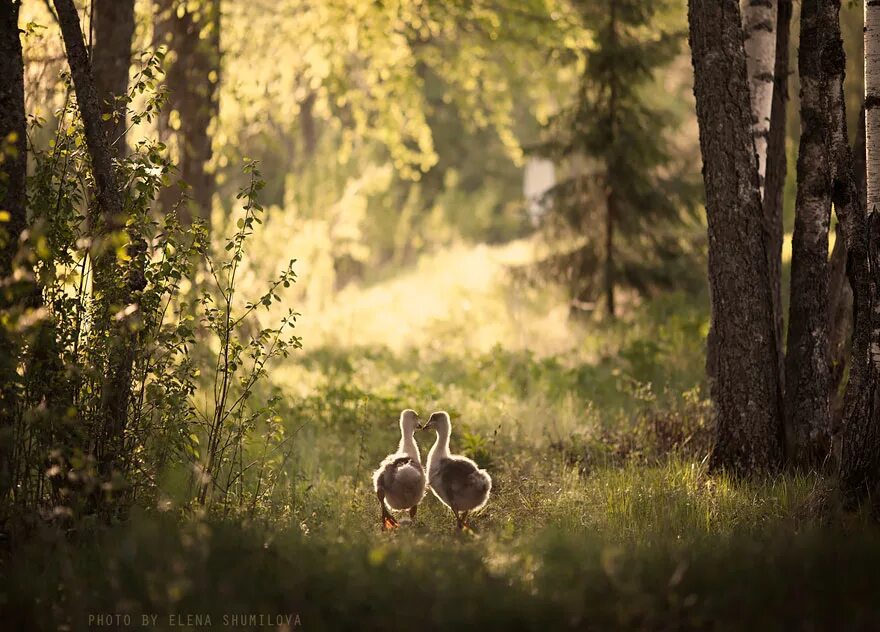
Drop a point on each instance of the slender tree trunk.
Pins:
(808, 381)
(872, 105)
(759, 26)
(115, 293)
(742, 354)
(839, 318)
(108, 194)
(13, 166)
(114, 29)
(609, 253)
(860, 434)
(777, 167)
(610, 200)
(192, 77)
(840, 302)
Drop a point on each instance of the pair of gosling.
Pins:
(400, 481)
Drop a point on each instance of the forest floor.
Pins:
(602, 513)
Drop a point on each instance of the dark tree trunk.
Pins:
(859, 442)
(12, 134)
(839, 317)
(13, 169)
(777, 168)
(859, 472)
(108, 194)
(840, 301)
(808, 381)
(742, 354)
(610, 200)
(111, 59)
(609, 253)
(192, 78)
(116, 292)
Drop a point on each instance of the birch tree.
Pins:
(742, 354)
(759, 29)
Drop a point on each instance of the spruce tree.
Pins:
(621, 207)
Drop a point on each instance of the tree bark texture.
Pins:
(192, 77)
(808, 380)
(108, 194)
(840, 300)
(742, 365)
(777, 168)
(111, 60)
(859, 472)
(872, 104)
(759, 28)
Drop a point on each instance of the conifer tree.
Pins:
(626, 198)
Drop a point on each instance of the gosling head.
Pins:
(409, 421)
(438, 421)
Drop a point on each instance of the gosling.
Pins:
(400, 480)
(455, 480)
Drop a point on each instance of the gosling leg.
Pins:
(388, 521)
(412, 513)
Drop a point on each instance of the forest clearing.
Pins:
(604, 275)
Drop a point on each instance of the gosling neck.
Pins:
(441, 447)
(408, 445)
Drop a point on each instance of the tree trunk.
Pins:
(742, 354)
(840, 302)
(759, 27)
(108, 194)
(111, 58)
(609, 253)
(13, 169)
(808, 381)
(192, 77)
(13, 147)
(610, 199)
(115, 293)
(777, 167)
(860, 435)
(872, 105)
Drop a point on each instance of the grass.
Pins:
(602, 514)
(650, 548)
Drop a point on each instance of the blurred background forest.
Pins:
(484, 206)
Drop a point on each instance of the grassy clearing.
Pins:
(602, 513)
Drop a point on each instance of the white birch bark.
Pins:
(759, 32)
(872, 103)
